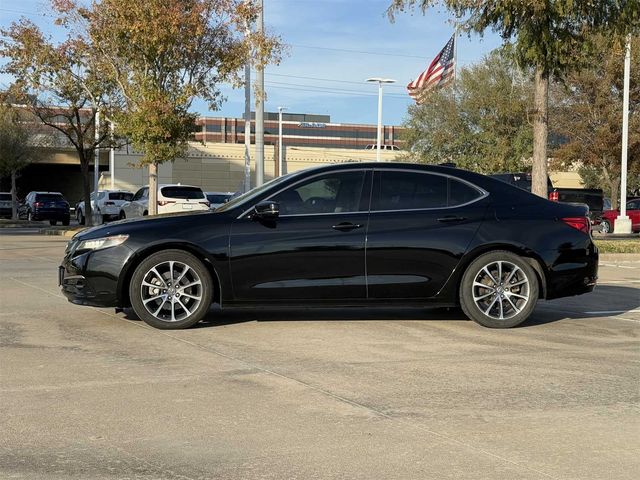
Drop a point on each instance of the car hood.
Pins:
(166, 223)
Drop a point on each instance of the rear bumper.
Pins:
(50, 214)
(573, 272)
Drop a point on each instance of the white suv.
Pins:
(171, 199)
(107, 205)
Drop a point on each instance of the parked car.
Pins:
(107, 205)
(218, 198)
(359, 234)
(593, 198)
(50, 206)
(374, 146)
(608, 224)
(5, 205)
(171, 199)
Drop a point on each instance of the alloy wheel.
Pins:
(501, 290)
(171, 291)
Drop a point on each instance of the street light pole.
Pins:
(260, 107)
(379, 81)
(623, 222)
(280, 163)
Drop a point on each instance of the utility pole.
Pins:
(280, 153)
(96, 169)
(260, 107)
(247, 126)
(623, 222)
(112, 158)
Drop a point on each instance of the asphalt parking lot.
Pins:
(293, 394)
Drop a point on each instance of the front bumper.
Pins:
(92, 278)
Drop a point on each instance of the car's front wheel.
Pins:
(499, 290)
(605, 226)
(171, 289)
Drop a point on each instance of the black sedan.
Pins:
(351, 234)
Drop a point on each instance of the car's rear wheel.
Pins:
(171, 289)
(606, 226)
(499, 290)
(122, 215)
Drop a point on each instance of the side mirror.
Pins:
(266, 210)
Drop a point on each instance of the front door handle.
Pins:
(346, 226)
(451, 218)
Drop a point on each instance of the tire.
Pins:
(52, 222)
(122, 215)
(145, 213)
(162, 306)
(105, 218)
(605, 226)
(80, 217)
(496, 305)
(66, 221)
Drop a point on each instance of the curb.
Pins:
(59, 232)
(612, 257)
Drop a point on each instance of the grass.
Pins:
(618, 246)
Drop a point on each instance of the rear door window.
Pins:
(410, 190)
(185, 193)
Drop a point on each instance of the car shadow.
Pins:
(609, 300)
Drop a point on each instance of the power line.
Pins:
(326, 80)
(319, 89)
(362, 52)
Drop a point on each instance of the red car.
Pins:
(633, 212)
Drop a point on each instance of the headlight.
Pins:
(100, 243)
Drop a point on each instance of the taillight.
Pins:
(109, 203)
(579, 223)
(38, 204)
(554, 196)
(162, 203)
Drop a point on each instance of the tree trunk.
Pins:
(86, 189)
(615, 192)
(14, 196)
(540, 131)
(153, 189)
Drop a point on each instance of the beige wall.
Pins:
(220, 166)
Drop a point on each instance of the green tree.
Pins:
(60, 84)
(481, 123)
(546, 36)
(162, 55)
(587, 113)
(16, 148)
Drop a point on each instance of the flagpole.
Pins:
(455, 54)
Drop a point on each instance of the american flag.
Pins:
(439, 73)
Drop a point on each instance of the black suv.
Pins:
(50, 206)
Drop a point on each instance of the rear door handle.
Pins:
(346, 226)
(451, 218)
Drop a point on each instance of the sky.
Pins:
(333, 47)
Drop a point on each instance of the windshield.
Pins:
(121, 196)
(49, 197)
(186, 193)
(253, 193)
